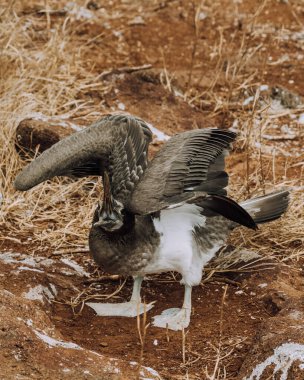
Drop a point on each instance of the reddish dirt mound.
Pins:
(212, 64)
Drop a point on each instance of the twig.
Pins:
(195, 43)
(142, 332)
(69, 251)
(83, 297)
(113, 277)
(221, 279)
(124, 69)
(184, 345)
(279, 138)
(219, 357)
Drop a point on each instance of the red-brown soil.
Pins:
(239, 317)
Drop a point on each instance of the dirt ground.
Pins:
(179, 65)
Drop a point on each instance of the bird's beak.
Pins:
(107, 206)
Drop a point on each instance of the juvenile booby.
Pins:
(168, 214)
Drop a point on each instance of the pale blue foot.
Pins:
(173, 319)
(126, 309)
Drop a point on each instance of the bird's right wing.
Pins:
(189, 168)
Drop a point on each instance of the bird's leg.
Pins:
(126, 309)
(176, 319)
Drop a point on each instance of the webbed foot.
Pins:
(173, 319)
(125, 309)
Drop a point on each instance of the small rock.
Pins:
(202, 16)
(121, 106)
(137, 20)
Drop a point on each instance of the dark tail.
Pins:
(267, 207)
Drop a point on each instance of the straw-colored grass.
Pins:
(42, 72)
(43, 69)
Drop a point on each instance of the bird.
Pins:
(171, 213)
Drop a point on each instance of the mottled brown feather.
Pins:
(189, 162)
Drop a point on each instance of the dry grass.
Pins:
(268, 166)
(43, 70)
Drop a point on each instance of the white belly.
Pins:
(178, 250)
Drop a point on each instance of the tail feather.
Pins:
(267, 207)
(221, 205)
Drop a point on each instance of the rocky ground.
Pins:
(179, 65)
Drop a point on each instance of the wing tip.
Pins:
(21, 182)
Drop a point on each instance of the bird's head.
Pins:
(110, 212)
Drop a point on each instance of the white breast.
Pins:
(176, 248)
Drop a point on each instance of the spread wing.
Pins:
(117, 143)
(190, 168)
(188, 163)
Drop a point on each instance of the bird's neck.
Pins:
(109, 248)
(126, 228)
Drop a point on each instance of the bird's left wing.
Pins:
(117, 143)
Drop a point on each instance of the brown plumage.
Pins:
(168, 214)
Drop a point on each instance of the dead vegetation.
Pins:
(65, 60)
(44, 72)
